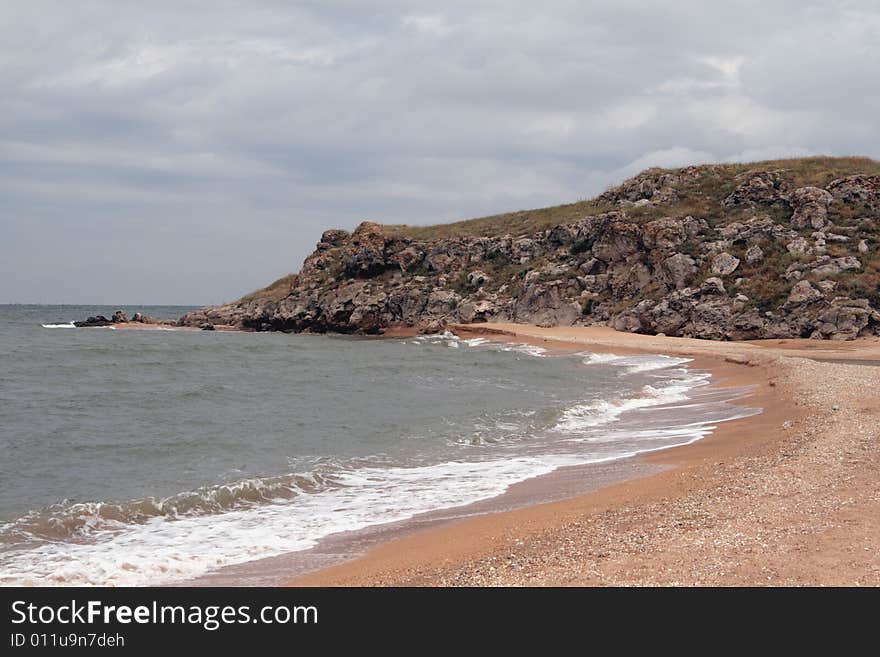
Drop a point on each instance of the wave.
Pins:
(635, 363)
(80, 520)
(67, 325)
(455, 342)
(601, 412)
(162, 550)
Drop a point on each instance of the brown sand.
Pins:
(787, 497)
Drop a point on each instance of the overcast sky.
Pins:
(190, 151)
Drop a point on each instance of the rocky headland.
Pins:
(780, 249)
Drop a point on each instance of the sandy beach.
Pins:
(786, 497)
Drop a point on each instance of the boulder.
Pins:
(666, 233)
(713, 285)
(802, 292)
(798, 246)
(119, 317)
(754, 255)
(758, 188)
(96, 320)
(364, 254)
(332, 238)
(479, 311)
(832, 266)
(724, 264)
(680, 269)
(810, 205)
(860, 191)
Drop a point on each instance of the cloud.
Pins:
(217, 145)
(433, 24)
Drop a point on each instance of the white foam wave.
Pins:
(68, 325)
(528, 349)
(163, 550)
(634, 363)
(451, 340)
(600, 412)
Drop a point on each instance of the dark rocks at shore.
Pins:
(97, 320)
(735, 275)
(118, 317)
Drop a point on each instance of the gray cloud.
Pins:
(195, 151)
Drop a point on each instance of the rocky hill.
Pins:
(789, 248)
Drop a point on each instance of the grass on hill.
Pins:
(273, 292)
(700, 197)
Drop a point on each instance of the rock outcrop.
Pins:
(671, 252)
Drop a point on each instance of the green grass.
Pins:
(274, 291)
(700, 197)
(522, 222)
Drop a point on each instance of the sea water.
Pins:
(134, 457)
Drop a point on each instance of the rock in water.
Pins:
(97, 320)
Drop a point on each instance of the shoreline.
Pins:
(533, 545)
(562, 483)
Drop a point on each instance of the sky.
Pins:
(187, 152)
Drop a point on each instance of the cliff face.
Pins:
(785, 249)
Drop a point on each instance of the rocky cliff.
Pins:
(768, 250)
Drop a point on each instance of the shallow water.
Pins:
(144, 456)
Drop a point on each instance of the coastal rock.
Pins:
(681, 269)
(859, 191)
(476, 279)
(754, 255)
(119, 317)
(96, 320)
(364, 254)
(657, 268)
(713, 285)
(757, 188)
(802, 292)
(810, 206)
(724, 264)
(826, 266)
(798, 246)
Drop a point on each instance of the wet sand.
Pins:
(789, 496)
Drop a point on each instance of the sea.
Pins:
(148, 457)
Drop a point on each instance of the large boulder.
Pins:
(546, 304)
(680, 269)
(802, 293)
(810, 205)
(620, 241)
(666, 233)
(363, 255)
